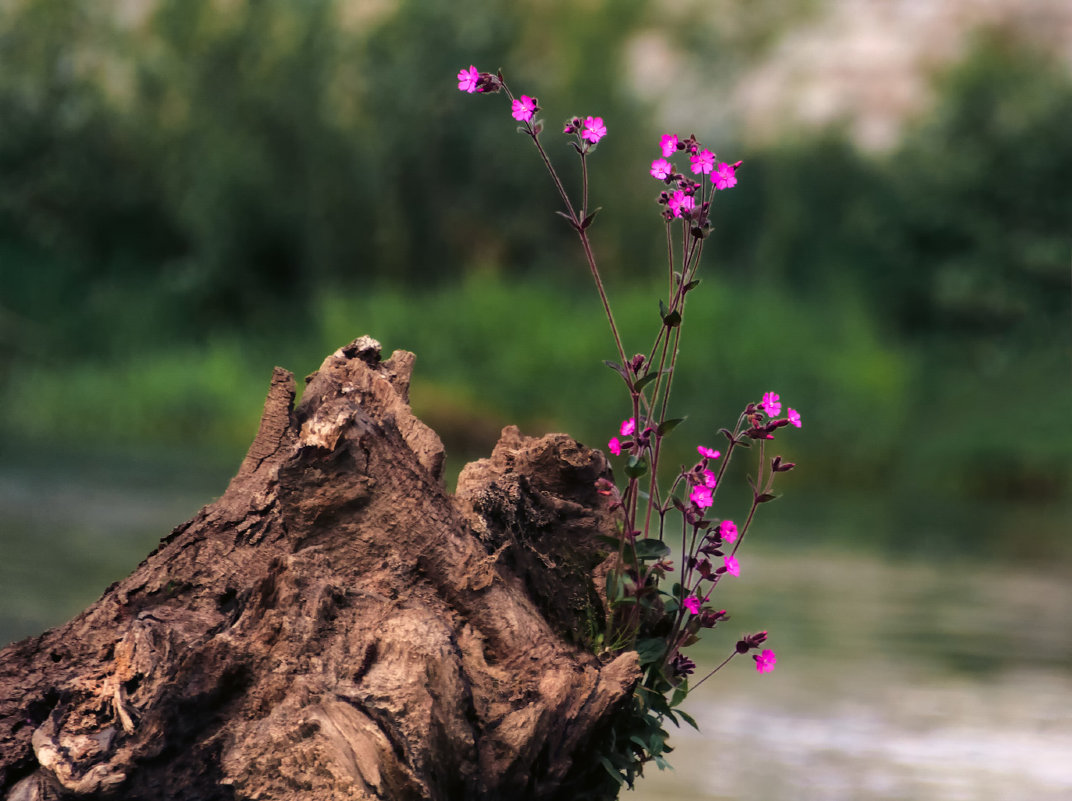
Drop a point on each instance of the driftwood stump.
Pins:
(337, 626)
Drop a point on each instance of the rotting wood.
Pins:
(337, 626)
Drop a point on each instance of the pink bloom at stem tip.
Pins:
(661, 169)
(728, 530)
(794, 417)
(701, 496)
(733, 567)
(709, 479)
(627, 427)
(593, 130)
(615, 446)
(771, 404)
(468, 79)
(692, 603)
(524, 108)
(681, 204)
(765, 661)
(668, 144)
(707, 453)
(703, 162)
(725, 177)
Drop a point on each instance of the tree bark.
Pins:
(337, 626)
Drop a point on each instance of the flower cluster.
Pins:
(680, 198)
(643, 615)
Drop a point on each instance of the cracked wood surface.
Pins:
(337, 626)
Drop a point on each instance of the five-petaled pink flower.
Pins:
(794, 417)
(771, 404)
(725, 176)
(765, 661)
(594, 129)
(524, 108)
(707, 453)
(709, 479)
(727, 529)
(681, 204)
(701, 496)
(703, 162)
(669, 144)
(627, 427)
(732, 566)
(661, 169)
(692, 603)
(615, 446)
(468, 79)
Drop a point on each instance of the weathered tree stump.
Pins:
(337, 626)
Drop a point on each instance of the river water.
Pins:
(897, 679)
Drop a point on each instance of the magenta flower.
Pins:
(594, 129)
(732, 566)
(669, 144)
(765, 661)
(726, 175)
(468, 79)
(681, 204)
(703, 162)
(771, 404)
(661, 169)
(692, 603)
(701, 496)
(794, 417)
(627, 427)
(709, 479)
(615, 446)
(707, 453)
(728, 531)
(524, 109)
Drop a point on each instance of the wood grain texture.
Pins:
(337, 626)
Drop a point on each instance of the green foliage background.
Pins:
(192, 195)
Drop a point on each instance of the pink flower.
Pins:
(669, 144)
(732, 566)
(728, 531)
(467, 79)
(771, 404)
(661, 169)
(709, 479)
(765, 661)
(692, 603)
(726, 175)
(703, 162)
(707, 453)
(794, 417)
(627, 427)
(524, 109)
(594, 129)
(701, 496)
(615, 446)
(681, 204)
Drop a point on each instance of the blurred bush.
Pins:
(191, 191)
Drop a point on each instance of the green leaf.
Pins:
(644, 380)
(691, 285)
(650, 650)
(588, 220)
(666, 426)
(688, 719)
(671, 319)
(766, 497)
(613, 771)
(635, 466)
(615, 366)
(651, 549)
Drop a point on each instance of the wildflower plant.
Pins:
(654, 606)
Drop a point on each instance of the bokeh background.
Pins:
(193, 191)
